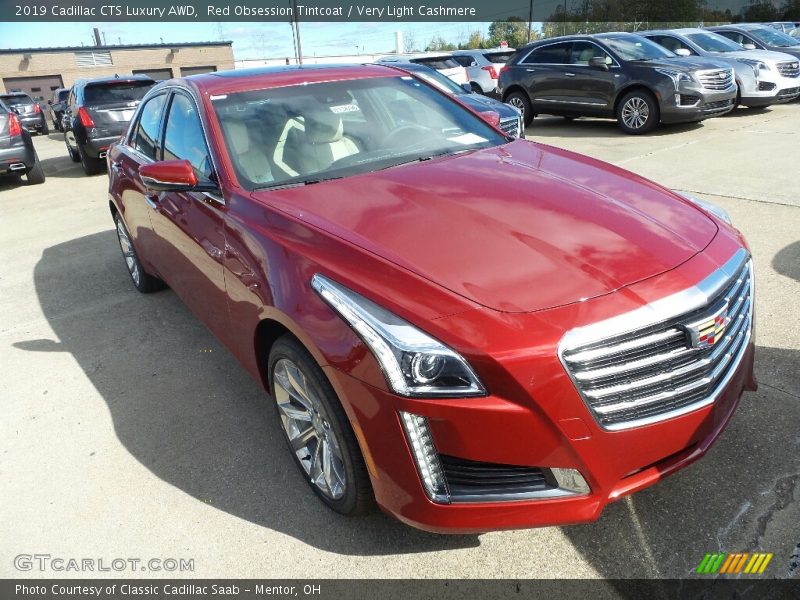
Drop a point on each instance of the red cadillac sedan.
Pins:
(474, 332)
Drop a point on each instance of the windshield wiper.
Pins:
(280, 185)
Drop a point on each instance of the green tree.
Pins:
(513, 30)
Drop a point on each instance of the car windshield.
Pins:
(122, 91)
(17, 99)
(437, 62)
(633, 47)
(304, 134)
(438, 80)
(499, 58)
(773, 37)
(713, 42)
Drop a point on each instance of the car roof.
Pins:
(681, 31)
(238, 80)
(12, 94)
(112, 79)
(483, 50)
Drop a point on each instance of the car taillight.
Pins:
(504, 68)
(14, 127)
(492, 71)
(85, 117)
(37, 108)
(491, 117)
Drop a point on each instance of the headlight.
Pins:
(707, 206)
(414, 364)
(676, 76)
(757, 65)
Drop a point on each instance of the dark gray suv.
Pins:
(615, 75)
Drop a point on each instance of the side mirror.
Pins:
(466, 87)
(598, 62)
(749, 46)
(174, 176)
(682, 52)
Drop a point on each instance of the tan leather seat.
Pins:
(325, 141)
(249, 157)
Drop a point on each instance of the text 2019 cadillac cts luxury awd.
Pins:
(477, 332)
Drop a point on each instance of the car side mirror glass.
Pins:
(466, 87)
(598, 62)
(174, 176)
(749, 46)
(682, 52)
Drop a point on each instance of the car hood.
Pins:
(686, 64)
(516, 228)
(765, 55)
(483, 104)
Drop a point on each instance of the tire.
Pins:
(142, 280)
(73, 154)
(299, 387)
(45, 127)
(638, 113)
(35, 175)
(476, 88)
(521, 101)
(91, 166)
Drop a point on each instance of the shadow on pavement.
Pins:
(787, 261)
(558, 127)
(184, 408)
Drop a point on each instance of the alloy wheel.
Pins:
(635, 113)
(517, 103)
(308, 428)
(127, 251)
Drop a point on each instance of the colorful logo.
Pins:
(754, 563)
(709, 330)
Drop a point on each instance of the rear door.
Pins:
(141, 147)
(111, 105)
(543, 74)
(189, 226)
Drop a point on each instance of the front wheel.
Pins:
(521, 102)
(638, 113)
(142, 281)
(317, 431)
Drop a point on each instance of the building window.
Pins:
(101, 58)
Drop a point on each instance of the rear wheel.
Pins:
(91, 166)
(35, 175)
(142, 281)
(45, 127)
(637, 112)
(521, 102)
(317, 431)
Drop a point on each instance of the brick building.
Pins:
(39, 71)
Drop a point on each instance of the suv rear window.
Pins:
(122, 91)
(16, 99)
(437, 62)
(498, 57)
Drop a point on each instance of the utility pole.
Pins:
(296, 31)
(530, 20)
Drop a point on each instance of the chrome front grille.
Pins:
(789, 69)
(716, 79)
(677, 357)
(511, 126)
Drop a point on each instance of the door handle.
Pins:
(570, 74)
(531, 70)
(152, 201)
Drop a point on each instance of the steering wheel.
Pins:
(406, 135)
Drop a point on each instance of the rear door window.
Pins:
(499, 58)
(146, 136)
(437, 62)
(554, 54)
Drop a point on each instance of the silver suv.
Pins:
(483, 67)
(763, 77)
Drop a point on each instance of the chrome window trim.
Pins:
(665, 309)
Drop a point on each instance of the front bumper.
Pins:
(535, 417)
(770, 88)
(11, 158)
(692, 102)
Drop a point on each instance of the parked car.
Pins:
(784, 26)
(759, 37)
(479, 333)
(795, 33)
(762, 77)
(508, 118)
(56, 106)
(483, 67)
(444, 63)
(98, 111)
(17, 154)
(29, 111)
(615, 75)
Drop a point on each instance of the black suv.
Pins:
(29, 112)
(57, 105)
(17, 154)
(615, 75)
(97, 113)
